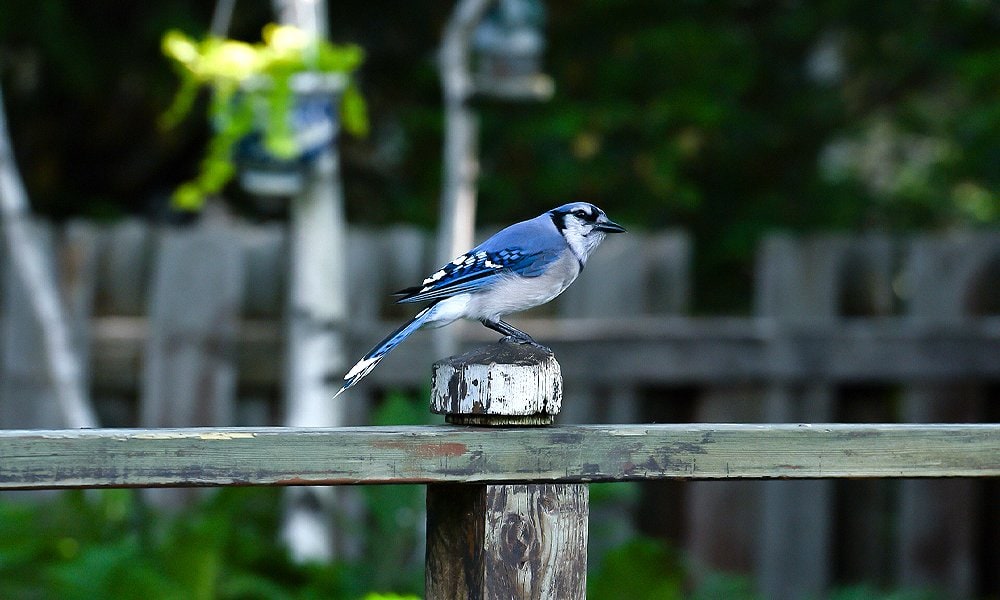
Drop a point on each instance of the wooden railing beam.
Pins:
(435, 454)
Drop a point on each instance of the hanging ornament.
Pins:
(509, 43)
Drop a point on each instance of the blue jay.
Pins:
(522, 266)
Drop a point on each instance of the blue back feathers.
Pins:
(523, 249)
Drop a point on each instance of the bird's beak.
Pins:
(609, 227)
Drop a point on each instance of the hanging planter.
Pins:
(313, 123)
(274, 107)
(509, 43)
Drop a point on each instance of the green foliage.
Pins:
(868, 592)
(642, 569)
(252, 90)
(724, 585)
(395, 525)
(107, 544)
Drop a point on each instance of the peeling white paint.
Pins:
(226, 435)
(207, 435)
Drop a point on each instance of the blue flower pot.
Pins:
(315, 123)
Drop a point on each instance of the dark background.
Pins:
(724, 118)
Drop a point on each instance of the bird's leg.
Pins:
(511, 333)
(505, 328)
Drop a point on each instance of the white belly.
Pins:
(513, 293)
(509, 294)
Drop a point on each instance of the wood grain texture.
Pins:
(427, 454)
(499, 384)
(507, 541)
(537, 537)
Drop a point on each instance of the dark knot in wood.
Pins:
(520, 544)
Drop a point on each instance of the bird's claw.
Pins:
(526, 340)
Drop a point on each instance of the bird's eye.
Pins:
(580, 213)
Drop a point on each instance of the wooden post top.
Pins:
(506, 383)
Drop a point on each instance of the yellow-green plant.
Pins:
(249, 79)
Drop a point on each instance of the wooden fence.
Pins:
(183, 327)
(507, 508)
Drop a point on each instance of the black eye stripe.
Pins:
(588, 214)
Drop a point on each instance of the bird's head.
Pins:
(584, 226)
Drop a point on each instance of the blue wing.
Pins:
(477, 269)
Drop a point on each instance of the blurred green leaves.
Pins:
(642, 569)
(107, 544)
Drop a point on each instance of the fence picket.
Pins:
(940, 520)
(124, 268)
(800, 282)
(27, 398)
(189, 376)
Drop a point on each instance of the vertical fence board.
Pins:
(408, 251)
(604, 289)
(364, 301)
(797, 282)
(27, 398)
(861, 541)
(668, 285)
(939, 520)
(404, 255)
(124, 269)
(655, 282)
(78, 255)
(610, 283)
(265, 254)
(794, 559)
(721, 521)
(189, 376)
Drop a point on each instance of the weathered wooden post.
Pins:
(504, 541)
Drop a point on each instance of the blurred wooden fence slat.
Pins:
(189, 376)
(27, 398)
(797, 282)
(124, 269)
(77, 268)
(940, 521)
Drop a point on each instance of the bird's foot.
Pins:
(525, 340)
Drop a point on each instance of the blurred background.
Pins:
(812, 193)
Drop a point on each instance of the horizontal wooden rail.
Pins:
(427, 454)
(674, 349)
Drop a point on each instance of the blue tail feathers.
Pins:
(376, 354)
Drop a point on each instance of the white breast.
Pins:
(513, 293)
